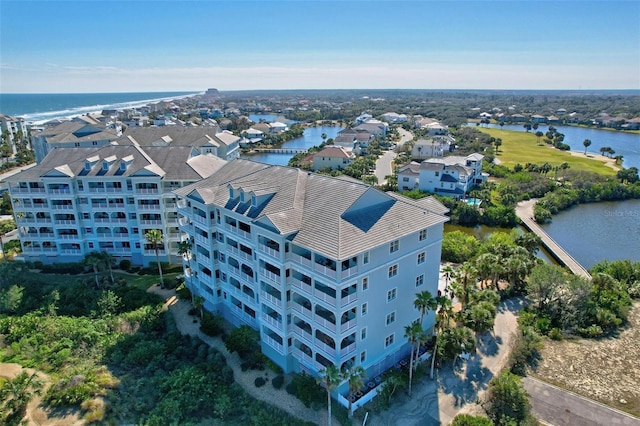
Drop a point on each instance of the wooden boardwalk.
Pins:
(524, 210)
(282, 150)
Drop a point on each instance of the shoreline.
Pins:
(608, 161)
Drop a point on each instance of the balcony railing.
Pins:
(153, 252)
(271, 252)
(148, 206)
(65, 222)
(47, 235)
(272, 321)
(68, 236)
(347, 325)
(70, 251)
(325, 323)
(147, 191)
(348, 350)
(301, 285)
(324, 347)
(302, 333)
(151, 222)
(349, 299)
(325, 270)
(60, 191)
(325, 297)
(273, 343)
(300, 259)
(60, 206)
(270, 298)
(302, 310)
(270, 275)
(201, 239)
(349, 272)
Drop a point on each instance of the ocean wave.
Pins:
(40, 118)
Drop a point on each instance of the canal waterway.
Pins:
(312, 136)
(623, 143)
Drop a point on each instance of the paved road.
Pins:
(384, 163)
(559, 407)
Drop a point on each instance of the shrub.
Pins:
(134, 269)
(305, 388)
(591, 331)
(125, 264)
(468, 420)
(38, 264)
(555, 334)
(526, 346)
(507, 401)
(278, 381)
(259, 382)
(211, 325)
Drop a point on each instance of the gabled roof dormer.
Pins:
(108, 162)
(126, 162)
(90, 162)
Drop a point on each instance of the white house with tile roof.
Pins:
(79, 200)
(332, 157)
(326, 269)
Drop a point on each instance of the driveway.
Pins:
(384, 165)
(559, 407)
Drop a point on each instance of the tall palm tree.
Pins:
(443, 318)
(448, 274)
(587, 144)
(108, 260)
(484, 264)
(93, 260)
(355, 377)
(424, 302)
(184, 250)
(155, 237)
(330, 377)
(466, 277)
(412, 333)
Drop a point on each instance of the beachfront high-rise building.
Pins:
(326, 269)
(12, 127)
(79, 200)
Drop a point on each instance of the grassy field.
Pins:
(521, 147)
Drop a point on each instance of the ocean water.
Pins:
(39, 108)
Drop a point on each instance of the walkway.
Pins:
(437, 402)
(524, 210)
(384, 164)
(560, 407)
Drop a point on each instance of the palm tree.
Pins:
(108, 260)
(154, 236)
(478, 319)
(484, 264)
(443, 318)
(424, 302)
(355, 377)
(6, 226)
(330, 377)
(586, 144)
(17, 393)
(184, 250)
(93, 260)
(539, 134)
(448, 273)
(465, 282)
(198, 303)
(498, 143)
(411, 332)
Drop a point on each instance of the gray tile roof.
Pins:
(336, 217)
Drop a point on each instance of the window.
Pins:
(437, 173)
(393, 271)
(222, 257)
(420, 258)
(419, 280)
(405, 179)
(391, 318)
(85, 215)
(423, 235)
(363, 309)
(394, 246)
(363, 356)
(388, 341)
(136, 230)
(94, 143)
(363, 333)
(365, 258)
(391, 294)
(365, 284)
(76, 144)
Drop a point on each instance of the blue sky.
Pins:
(122, 46)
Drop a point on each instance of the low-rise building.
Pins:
(436, 146)
(332, 157)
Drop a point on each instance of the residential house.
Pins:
(393, 118)
(452, 176)
(536, 118)
(326, 269)
(332, 157)
(432, 147)
(79, 200)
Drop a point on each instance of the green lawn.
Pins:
(522, 147)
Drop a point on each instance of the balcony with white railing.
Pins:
(70, 251)
(61, 206)
(148, 206)
(155, 222)
(274, 300)
(299, 259)
(346, 273)
(301, 355)
(65, 222)
(50, 249)
(201, 239)
(302, 310)
(272, 321)
(325, 348)
(319, 294)
(349, 299)
(300, 284)
(59, 191)
(181, 204)
(200, 219)
(147, 191)
(324, 270)
(325, 323)
(302, 333)
(116, 206)
(270, 275)
(68, 236)
(347, 350)
(47, 235)
(347, 325)
(153, 252)
(121, 235)
(273, 343)
(268, 250)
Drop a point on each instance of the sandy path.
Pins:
(277, 397)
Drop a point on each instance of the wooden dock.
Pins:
(524, 210)
(281, 150)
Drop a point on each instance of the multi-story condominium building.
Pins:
(327, 269)
(79, 200)
(452, 176)
(12, 125)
